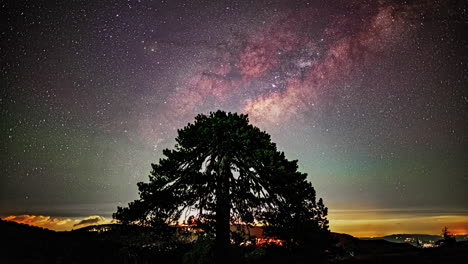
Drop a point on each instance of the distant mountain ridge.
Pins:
(114, 243)
(415, 239)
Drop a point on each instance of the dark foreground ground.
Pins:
(114, 244)
(381, 251)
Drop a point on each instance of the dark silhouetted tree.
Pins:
(448, 240)
(227, 170)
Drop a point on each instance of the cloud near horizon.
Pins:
(358, 223)
(59, 223)
(377, 223)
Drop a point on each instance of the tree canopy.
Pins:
(225, 170)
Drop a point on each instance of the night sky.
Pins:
(370, 96)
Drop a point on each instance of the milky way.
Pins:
(278, 71)
(369, 96)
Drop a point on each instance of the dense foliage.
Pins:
(225, 171)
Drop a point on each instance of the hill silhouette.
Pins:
(22, 243)
(116, 243)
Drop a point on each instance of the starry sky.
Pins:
(370, 96)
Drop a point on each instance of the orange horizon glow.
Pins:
(378, 223)
(58, 223)
(355, 223)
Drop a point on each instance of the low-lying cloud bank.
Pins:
(359, 223)
(58, 223)
(376, 223)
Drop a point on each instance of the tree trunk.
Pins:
(223, 210)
